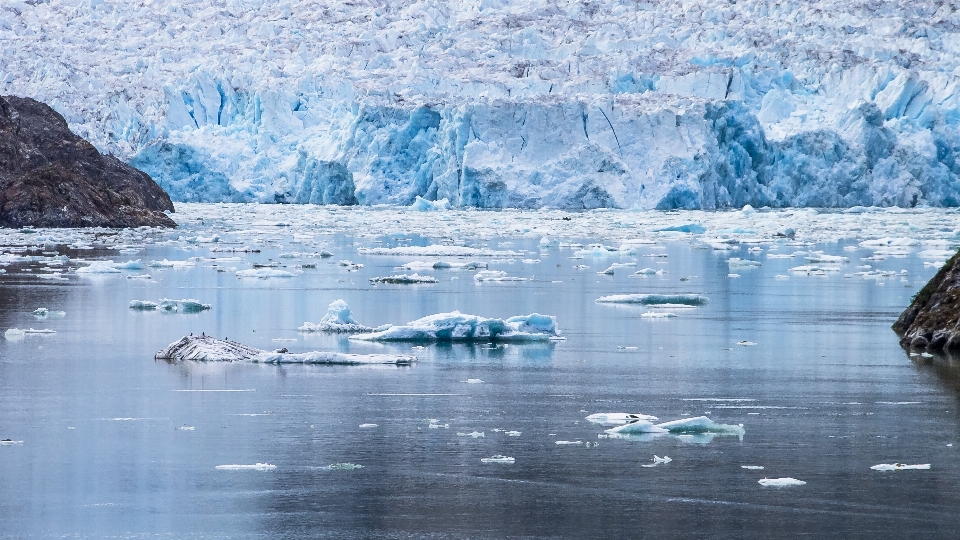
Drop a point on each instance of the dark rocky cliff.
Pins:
(50, 177)
(932, 320)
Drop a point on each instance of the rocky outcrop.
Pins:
(932, 321)
(50, 177)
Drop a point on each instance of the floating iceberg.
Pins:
(618, 418)
(780, 482)
(498, 458)
(254, 467)
(16, 334)
(900, 467)
(208, 349)
(736, 262)
(424, 205)
(43, 313)
(701, 428)
(441, 265)
(187, 305)
(496, 276)
(455, 326)
(404, 279)
(343, 467)
(654, 299)
(613, 268)
(338, 319)
(98, 267)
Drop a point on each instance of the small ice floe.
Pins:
(746, 343)
(699, 425)
(499, 458)
(349, 265)
(205, 348)
(657, 460)
(368, 426)
(43, 313)
(780, 482)
(9, 442)
(423, 205)
(15, 334)
(338, 319)
(444, 265)
(496, 276)
(819, 257)
(752, 467)
(264, 273)
(512, 433)
(647, 272)
(474, 434)
(618, 418)
(568, 443)
(254, 467)
(473, 381)
(456, 326)
(186, 305)
(615, 266)
(186, 428)
(654, 299)
(627, 348)
(736, 262)
(814, 269)
(781, 277)
(900, 467)
(343, 467)
(732, 276)
(139, 276)
(435, 425)
(405, 279)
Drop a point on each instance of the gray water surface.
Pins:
(824, 394)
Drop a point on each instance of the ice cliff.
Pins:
(490, 103)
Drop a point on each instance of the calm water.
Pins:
(823, 395)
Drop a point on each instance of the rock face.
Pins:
(50, 177)
(932, 320)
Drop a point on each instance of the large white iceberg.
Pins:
(455, 326)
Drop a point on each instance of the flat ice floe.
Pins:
(405, 279)
(338, 319)
(186, 305)
(444, 265)
(253, 467)
(456, 326)
(496, 276)
(208, 349)
(900, 467)
(684, 426)
(618, 418)
(263, 273)
(498, 458)
(654, 299)
(780, 482)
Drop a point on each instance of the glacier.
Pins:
(504, 104)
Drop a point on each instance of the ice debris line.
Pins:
(208, 349)
(498, 103)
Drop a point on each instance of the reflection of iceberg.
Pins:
(338, 319)
(455, 326)
(699, 429)
(208, 349)
(654, 299)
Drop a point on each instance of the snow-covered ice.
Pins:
(208, 349)
(253, 467)
(264, 273)
(780, 482)
(900, 467)
(405, 279)
(498, 458)
(617, 418)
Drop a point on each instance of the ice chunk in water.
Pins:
(736, 262)
(700, 424)
(264, 273)
(499, 458)
(618, 418)
(405, 279)
(208, 349)
(637, 427)
(366, 426)
(474, 434)
(752, 467)
(254, 467)
(423, 205)
(98, 267)
(455, 326)
(187, 305)
(780, 482)
(654, 299)
(495, 275)
(343, 467)
(143, 305)
(900, 467)
(613, 268)
(339, 318)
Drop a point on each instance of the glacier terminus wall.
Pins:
(490, 103)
